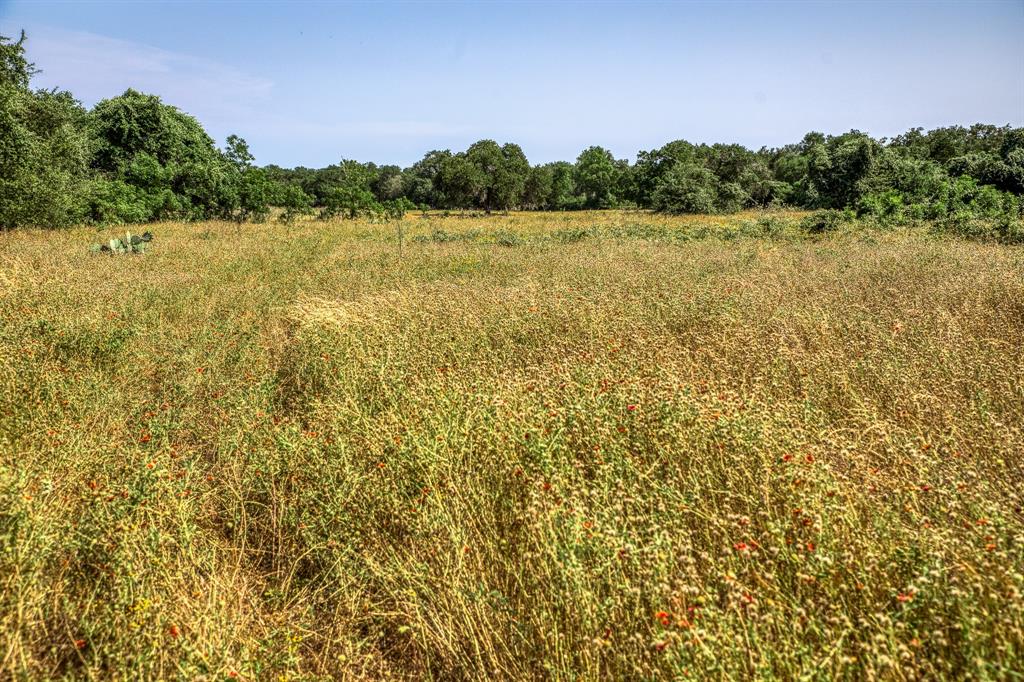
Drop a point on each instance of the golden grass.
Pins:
(625, 447)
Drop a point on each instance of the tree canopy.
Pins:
(134, 158)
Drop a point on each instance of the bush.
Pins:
(825, 220)
(294, 201)
(686, 188)
(506, 238)
(573, 235)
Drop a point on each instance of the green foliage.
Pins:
(350, 196)
(837, 165)
(825, 220)
(142, 142)
(129, 245)
(459, 182)
(249, 190)
(293, 200)
(135, 159)
(597, 177)
(507, 238)
(43, 149)
(685, 188)
(538, 187)
(500, 174)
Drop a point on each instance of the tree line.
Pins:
(135, 159)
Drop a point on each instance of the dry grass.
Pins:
(623, 447)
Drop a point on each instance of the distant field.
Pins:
(540, 446)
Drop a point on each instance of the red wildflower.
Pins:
(740, 547)
(79, 643)
(904, 597)
(631, 408)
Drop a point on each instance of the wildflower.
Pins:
(741, 547)
(810, 546)
(79, 644)
(173, 631)
(809, 458)
(663, 618)
(787, 457)
(146, 437)
(904, 597)
(631, 407)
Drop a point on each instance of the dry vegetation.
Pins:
(588, 446)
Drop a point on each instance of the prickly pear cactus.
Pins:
(129, 244)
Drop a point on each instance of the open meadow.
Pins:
(599, 445)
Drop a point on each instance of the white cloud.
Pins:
(95, 67)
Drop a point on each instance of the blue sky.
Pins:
(309, 83)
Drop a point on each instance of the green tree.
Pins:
(165, 154)
(537, 190)
(686, 188)
(597, 177)
(294, 201)
(509, 182)
(837, 166)
(651, 166)
(460, 182)
(349, 194)
(43, 151)
(501, 173)
(563, 187)
(421, 182)
(251, 190)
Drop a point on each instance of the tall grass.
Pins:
(615, 447)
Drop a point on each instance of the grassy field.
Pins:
(547, 446)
